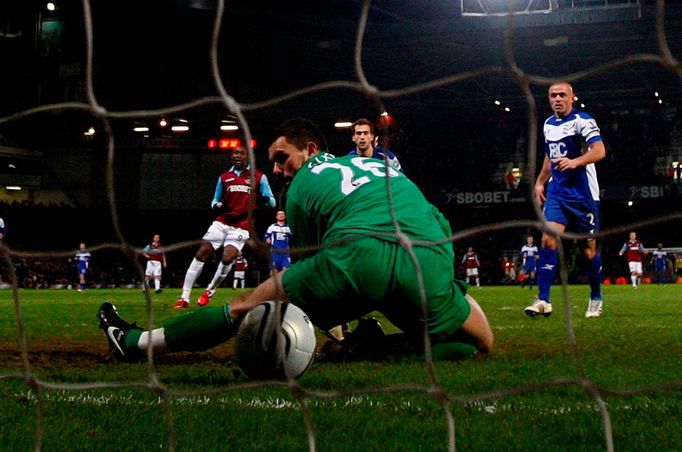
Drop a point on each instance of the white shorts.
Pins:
(153, 268)
(239, 275)
(472, 272)
(635, 267)
(219, 234)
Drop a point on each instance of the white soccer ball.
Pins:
(258, 353)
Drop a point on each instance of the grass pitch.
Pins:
(535, 392)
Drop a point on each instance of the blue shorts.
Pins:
(530, 266)
(577, 216)
(280, 259)
(82, 268)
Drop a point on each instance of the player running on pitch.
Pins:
(571, 200)
(471, 265)
(337, 209)
(278, 237)
(634, 253)
(529, 253)
(82, 259)
(660, 258)
(231, 227)
(156, 260)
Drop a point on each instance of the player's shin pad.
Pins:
(200, 330)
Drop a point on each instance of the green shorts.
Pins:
(344, 282)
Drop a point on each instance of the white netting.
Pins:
(431, 387)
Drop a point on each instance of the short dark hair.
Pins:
(299, 131)
(363, 122)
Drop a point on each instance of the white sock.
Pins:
(219, 276)
(234, 284)
(156, 338)
(243, 282)
(192, 274)
(634, 281)
(157, 284)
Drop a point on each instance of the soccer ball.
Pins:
(258, 353)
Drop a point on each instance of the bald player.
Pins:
(568, 190)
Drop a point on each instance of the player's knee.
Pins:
(204, 252)
(230, 253)
(589, 250)
(476, 326)
(549, 241)
(486, 343)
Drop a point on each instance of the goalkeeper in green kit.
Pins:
(355, 259)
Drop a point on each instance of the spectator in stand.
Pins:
(509, 269)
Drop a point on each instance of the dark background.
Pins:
(451, 139)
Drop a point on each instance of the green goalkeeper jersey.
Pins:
(331, 198)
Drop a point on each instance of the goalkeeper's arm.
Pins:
(270, 289)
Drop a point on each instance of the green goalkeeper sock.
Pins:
(200, 330)
(450, 351)
(132, 338)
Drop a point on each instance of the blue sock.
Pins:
(595, 276)
(547, 268)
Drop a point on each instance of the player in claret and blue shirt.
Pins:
(568, 190)
(230, 228)
(471, 264)
(278, 237)
(634, 253)
(156, 261)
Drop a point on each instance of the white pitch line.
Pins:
(277, 403)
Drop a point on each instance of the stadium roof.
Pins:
(155, 54)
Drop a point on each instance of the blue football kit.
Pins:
(279, 236)
(572, 197)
